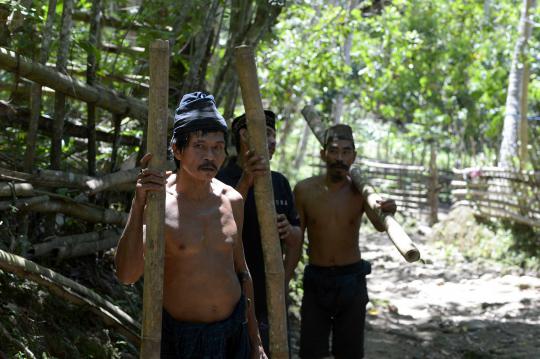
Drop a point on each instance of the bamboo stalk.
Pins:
(67, 244)
(18, 189)
(72, 291)
(112, 180)
(264, 200)
(155, 208)
(102, 97)
(20, 117)
(85, 212)
(433, 191)
(22, 203)
(395, 232)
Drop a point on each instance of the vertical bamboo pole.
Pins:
(433, 191)
(155, 209)
(264, 200)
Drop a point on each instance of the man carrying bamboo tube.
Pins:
(206, 279)
(335, 292)
(240, 172)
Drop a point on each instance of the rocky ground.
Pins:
(447, 307)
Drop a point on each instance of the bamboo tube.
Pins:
(155, 208)
(395, 232)
(264, 200)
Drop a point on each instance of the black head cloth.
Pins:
(197, 112)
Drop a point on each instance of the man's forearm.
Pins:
(129, 256)
(293, 252)
(253, 327)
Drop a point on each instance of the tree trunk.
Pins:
(117, 126)
(35, 90)
(523, 122)
(509, 151)
(337, 110)
(60, 98)
(301, 150)
(264, 199)
(91, 69)
(200, 43)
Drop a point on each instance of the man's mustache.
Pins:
(339, 165)
(208, 166)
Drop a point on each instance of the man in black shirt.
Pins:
(240, 173)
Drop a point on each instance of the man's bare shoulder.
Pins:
(309, 184)
(229, 192)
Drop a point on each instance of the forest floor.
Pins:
(447, 307)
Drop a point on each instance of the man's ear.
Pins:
(323, 154)
(176, 151)
(244, 135)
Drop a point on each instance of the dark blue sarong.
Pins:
(226, 339)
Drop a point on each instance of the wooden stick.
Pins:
(264, 199)
(395, 232)
(155, 208)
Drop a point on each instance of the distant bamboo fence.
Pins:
(499, 193)
(491, 192)
(417, 189)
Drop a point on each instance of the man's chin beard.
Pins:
(337, 177)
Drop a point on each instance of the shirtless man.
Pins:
(335, 292)
(206, 278)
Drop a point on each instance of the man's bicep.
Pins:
(299, 204)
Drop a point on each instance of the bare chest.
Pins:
(192, 228)
(341, 208)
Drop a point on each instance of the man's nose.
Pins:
(209, 154)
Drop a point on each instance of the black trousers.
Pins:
(334, 302)
(226, 339)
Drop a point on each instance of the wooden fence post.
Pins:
(155, 208)
(433, 194)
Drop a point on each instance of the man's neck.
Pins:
(333, 183)
(191, 187)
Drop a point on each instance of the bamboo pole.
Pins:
(433, 187)
(72, 291)
(155, 208)
(20, 117)
(101, 97)
(395, 232)
(264, 200)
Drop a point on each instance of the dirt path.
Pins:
(448, 308)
